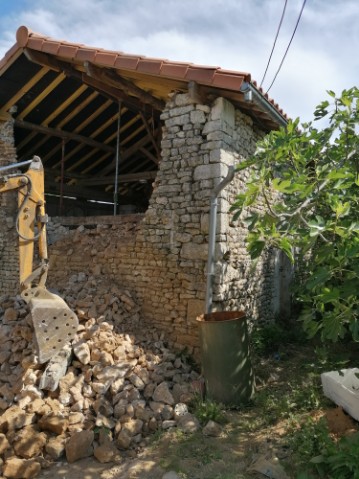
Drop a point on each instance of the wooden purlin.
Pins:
(13, 100)
(66, 135)
(113, 79)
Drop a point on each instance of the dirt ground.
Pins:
(251, 439)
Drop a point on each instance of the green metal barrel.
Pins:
(226, 363)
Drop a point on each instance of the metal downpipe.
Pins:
(212, 236)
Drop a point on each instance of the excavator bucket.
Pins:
(55, 324)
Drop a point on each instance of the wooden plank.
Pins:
(49, 89)
(20, 93)
(112, 78)
(54, 114)
(150, 134)
(132, 103)
(149, 155)
(53, 187)
(122, 178)
(66, 135)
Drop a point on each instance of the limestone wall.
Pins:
(9, 268)
(162, 255)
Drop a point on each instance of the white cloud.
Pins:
(233, 34)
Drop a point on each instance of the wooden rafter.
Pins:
(79, 128)
(55, 113)
(150, 134)
(112, 78)
(34, 149)
(65, 135)
(13, 100)
(39, 98)
(116, 95)
(122, 178)
(126, 154)
(69, 70)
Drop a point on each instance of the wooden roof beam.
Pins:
(53, 187)
(107, 91)
(126, 154)
(151, 135)
(122, 178)
(66, 135)
(19, 94)
(112, 78)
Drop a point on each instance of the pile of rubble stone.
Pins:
(116, 384)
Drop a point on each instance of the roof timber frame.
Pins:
(72, 100)
(116, 90)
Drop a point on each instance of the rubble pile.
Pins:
(103, 396)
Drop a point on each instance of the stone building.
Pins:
(133, 148)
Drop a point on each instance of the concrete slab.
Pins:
(342, 387)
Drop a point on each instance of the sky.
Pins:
(231, 34)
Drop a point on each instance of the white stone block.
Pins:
(342, 387)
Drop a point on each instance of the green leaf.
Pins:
(255, 248)
(285, 245)
(318, 278)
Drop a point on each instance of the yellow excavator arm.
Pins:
(55, 324)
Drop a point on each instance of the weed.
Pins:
(206, 410)
(299, 395)
(316, 452)
(270, 338)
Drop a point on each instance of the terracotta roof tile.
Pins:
(35, 43)
(67, 51)
(174, 70)
(201, 75)
(127, 62)
(86, 54)
(231, 82)
(51, 47)
(148, 65)
(106, 58)
(207, 75)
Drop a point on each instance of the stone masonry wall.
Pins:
(162, 257)
(9, 262)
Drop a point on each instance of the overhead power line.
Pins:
(289, 44)
(275, 41)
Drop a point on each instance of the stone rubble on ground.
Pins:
(122, 383)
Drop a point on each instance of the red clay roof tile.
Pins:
(105, 58)
(86, 54)
(174, 70)
(67, 51)
(51, 47)
(201, 75)
(35, 43)
(230, 82)
(126, 62)
(207, 75)
(147, 65)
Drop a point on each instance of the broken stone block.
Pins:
(16, 468)
(188, 423)
(212, 428)
(82, 352)
(123, 440)
(162, 393)
(105, 453)
(53, 423)
(79, 446)
(12, 418)
(55, 447)
(4, 443)
(29, 442)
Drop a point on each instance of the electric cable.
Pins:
(275, 41)
(289, 44)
